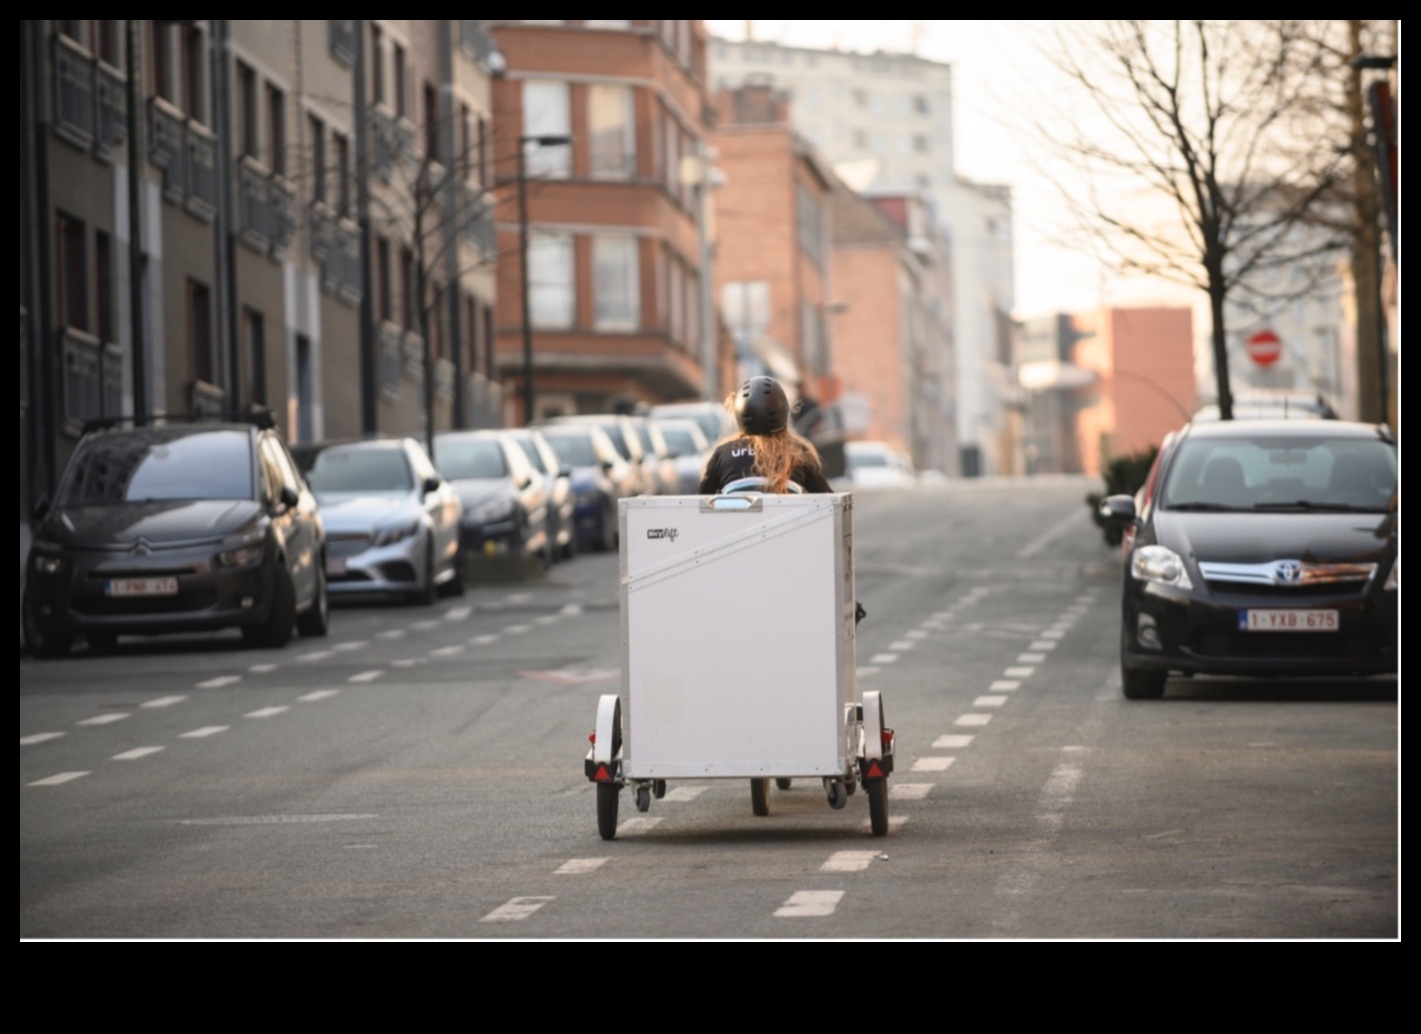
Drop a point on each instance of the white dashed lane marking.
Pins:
(104, 719)
(1005, 685)
(318, 694)
(578, 866)
(848, 861)
(950, 741)
(319, 655)
(266, 712)
(366, 676)
(261, 669)
(991, 701)
(62, 777)
(516, 911)
(136, 753)
(901, 644)
(219, 682)
(447, 651)
(39, 737)
(1030, 658)
(483, 640)
(637, 825)
(1019, 673)
(809, 904)
(909, 791)
(932, 764)
(883, 658)
(1044, 644)
(163, 701)
(204, 732)
(457, 613)
(390, 633)
(973, 719)
(684, 793)
(347, 647)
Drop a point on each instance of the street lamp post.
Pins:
(523, 142)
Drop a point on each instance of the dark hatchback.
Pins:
(180, 527)
(1265, 548)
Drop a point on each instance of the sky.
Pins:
(999, 78)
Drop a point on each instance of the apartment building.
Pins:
(292, 214)
(884, 122)
(599, 157)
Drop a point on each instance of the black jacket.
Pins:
(735, 459)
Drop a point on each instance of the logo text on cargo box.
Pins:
(662, 533)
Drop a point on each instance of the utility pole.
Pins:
(369, 414)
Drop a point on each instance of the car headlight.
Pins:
(241, 556)
(396, 533)
(1159, 564)
(46, 562)
(493, 510)
(1393, 579)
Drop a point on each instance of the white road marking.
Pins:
(424, 626)
(269, 820)
(457, 613)
(39, 737)
(848, 861)
(883, 658)
(807, 904)
(1044, 644)
(162, 702)
(261, 669)
(684, 793)
(266, 712)
(972, 719)
(407, 662)
(1051, 534)
(1005, 685)
(316, 655)
(367, 676)
(908, 791)
(1018, 673)
(1030, 658)
(638, 825)
(932, 764)
(546, 619)
(446, 651)
(578, 866)
(219, 682)
(204, 732)
(516, 910)
(901, 644)
(357, 644)
(104, 719)
(518, 597)
(861, 672)
(483, 640)
(989, 701)
(517, 629)
(1056, 797)
(390, 633)
(62, 777)
(318, 694)
(571, 609)
(135, 753)
(915, 634)
(952, 740)
(1054, 633)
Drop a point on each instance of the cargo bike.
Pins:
(738, 620)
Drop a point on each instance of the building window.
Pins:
(550, 281)
(71, 280)
(464, 160)
(318, 159)
(483, 146)
(920, 104)
(162, 61)
(199, 322)
(613, 132)
(397, 88)
(377, 65)
(921, 144)
(431, 123)
(341, 144)
(193, 78)
(103, 284)
(616, 283)
(106, 43)
(545, 113)
(810, 223)
(247, 111)
(276, 121)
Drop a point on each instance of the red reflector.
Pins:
(602, 775)
(592, 738)
(886, 736)
(874, 772)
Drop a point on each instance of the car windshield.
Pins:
(1282, 473)
(470, 460)
(867, 459)
(530, 449)
(360, 471)
(573, 449)
(155, 464)
(680, 442)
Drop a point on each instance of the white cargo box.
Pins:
(738, 624)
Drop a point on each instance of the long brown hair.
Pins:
(777, 455)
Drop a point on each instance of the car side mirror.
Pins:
(431, 484)
(1118, 509)
(288, 497)
(40, 508)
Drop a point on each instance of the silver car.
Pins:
(505, 499)
(392, 523)
(689, 451)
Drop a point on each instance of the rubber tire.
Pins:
(1142, 685)
(607, 799)
(658, 788)
(281, 621)
(877, 790)
(838, 795)
(101, 642)
(316, 621)
(784, 784)
(760, 797)
(45, 645)
(427, 593)
(607, 543)
(570, 551)
(643, 798)
(456, 586)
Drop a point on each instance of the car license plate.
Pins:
(335, 565)
(1287, 621)
(141, 587)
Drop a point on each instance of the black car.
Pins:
(1264, 547)
(178, 527)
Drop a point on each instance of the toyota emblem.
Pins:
(1288, 572)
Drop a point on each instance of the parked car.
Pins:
(659, 468)
(600, 479)
(715, 420)
(557, 477)
(392, 522)
(1262, 547)
(621, 432)
(1273, 403)
(689, 450)
(505, 499)
(873, 464)
(177, 527)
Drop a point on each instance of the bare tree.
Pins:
(1209, 118)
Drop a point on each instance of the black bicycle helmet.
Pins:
(762, 407)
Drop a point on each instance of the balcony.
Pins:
(73, 94)
(391, 361)
(254, 206)
(167, 149)
(111, 130)
(342, 40)
(202, 172)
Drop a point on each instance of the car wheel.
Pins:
(428, 590)
(1142, 685)
(281, 621)
(569, 550)
(316, 621)
(101, 642)
(43, 642)
(456, 586)
(609, 532)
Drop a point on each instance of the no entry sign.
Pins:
(1264, 347)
